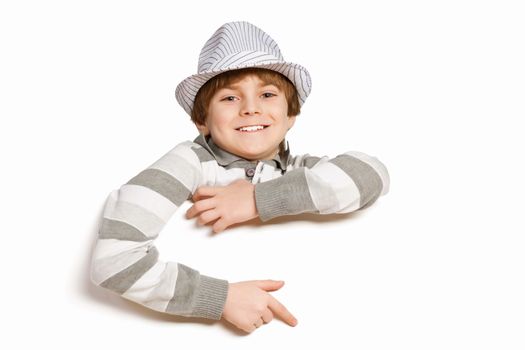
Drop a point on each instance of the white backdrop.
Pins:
(435, 90)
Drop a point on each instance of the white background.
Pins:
(435, 90)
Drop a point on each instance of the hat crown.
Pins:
(235, 41)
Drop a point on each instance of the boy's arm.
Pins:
(125, 259)
(348, 182)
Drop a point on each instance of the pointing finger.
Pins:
(279, 310)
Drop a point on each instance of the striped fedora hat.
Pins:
(237, 45)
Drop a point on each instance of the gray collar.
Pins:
(225, 158)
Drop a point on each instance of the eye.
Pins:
(228, 98)
(269, 93)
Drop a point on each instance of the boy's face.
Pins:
(248, 103)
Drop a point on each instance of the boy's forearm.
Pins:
(348, 182)
(206, 300)
(285, 195)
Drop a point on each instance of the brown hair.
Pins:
(206, 92)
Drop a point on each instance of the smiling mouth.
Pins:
(252, 128)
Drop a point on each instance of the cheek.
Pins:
(281, 110)
(220, 123)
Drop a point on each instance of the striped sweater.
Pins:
(125, 259)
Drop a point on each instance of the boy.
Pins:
(243, 101)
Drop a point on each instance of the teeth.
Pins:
(252, 128)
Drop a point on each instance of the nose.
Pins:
(250, 106)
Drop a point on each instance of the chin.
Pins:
(249, 153)
(251, 156)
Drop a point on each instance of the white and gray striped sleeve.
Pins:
(348, 182)
(125, 259)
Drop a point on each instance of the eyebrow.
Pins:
(235, 86)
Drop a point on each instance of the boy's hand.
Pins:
(249, 304)
(226, 205)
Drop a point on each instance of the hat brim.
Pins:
(187, 89)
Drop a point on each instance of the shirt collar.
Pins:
(225, 158)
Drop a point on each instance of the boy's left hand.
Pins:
(227, 205)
